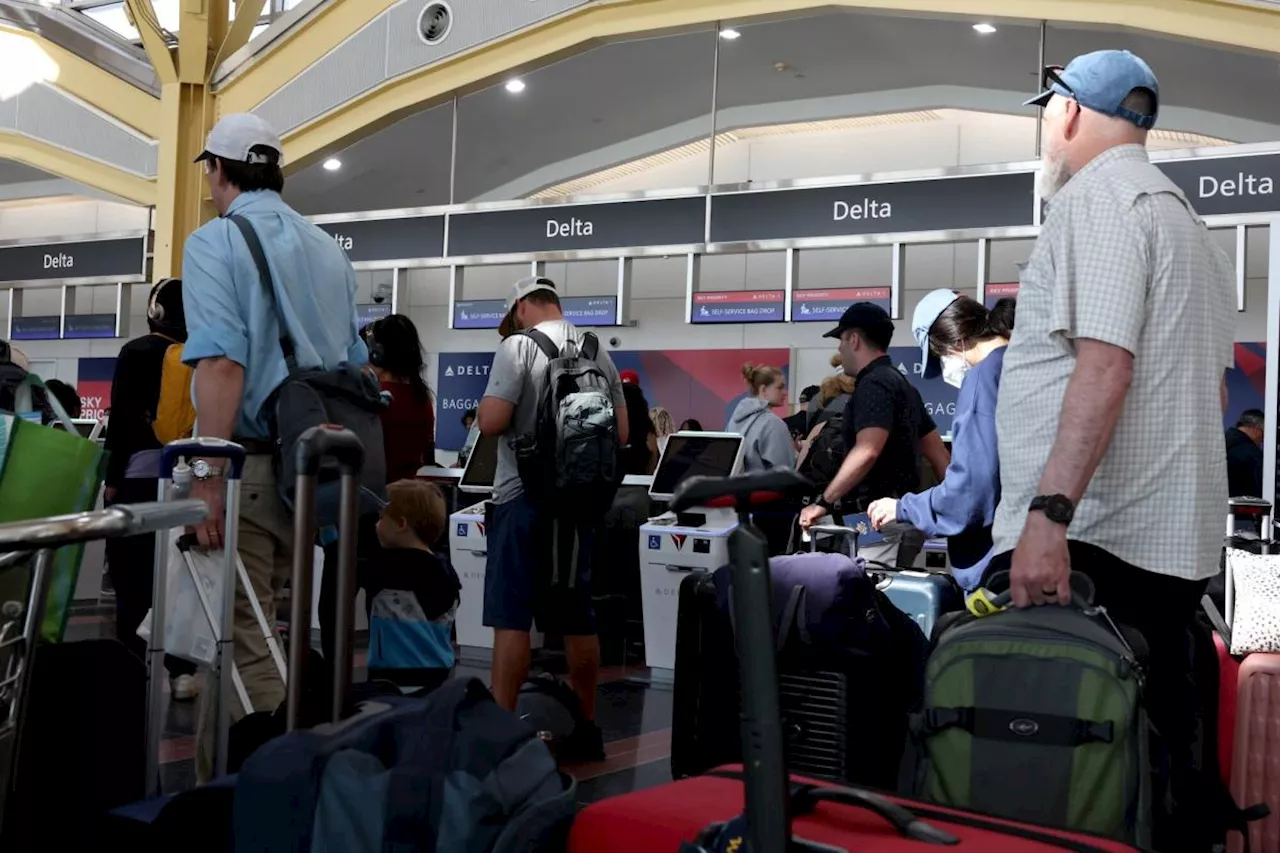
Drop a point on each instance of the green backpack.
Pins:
(1036, 715)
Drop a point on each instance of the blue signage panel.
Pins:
(90, 326)
(479, 314)
(939, 397)
(48, 328)
(367, 313)
(812, 306)
(463, 379)
(590, 310)
(740, 306)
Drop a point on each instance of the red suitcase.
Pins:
(1255, 763)
(660, 819)
(1228, 689)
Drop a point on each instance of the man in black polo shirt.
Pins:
(887, 429)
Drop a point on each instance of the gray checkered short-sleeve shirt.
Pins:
(1122, 258)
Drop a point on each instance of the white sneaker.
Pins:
(183, 688)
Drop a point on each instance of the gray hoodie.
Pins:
(767, 439)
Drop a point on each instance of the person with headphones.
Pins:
(409, 422)
(132, 455)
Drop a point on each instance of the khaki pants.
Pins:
(266, 548)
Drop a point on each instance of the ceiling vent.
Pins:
(434, 22)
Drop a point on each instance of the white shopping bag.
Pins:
(189, 633)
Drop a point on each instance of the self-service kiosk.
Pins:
(672, 546)
(468, 550)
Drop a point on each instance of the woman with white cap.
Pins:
(963, 342)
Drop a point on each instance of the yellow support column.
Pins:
(188, 112)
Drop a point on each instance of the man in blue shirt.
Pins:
(234, 328)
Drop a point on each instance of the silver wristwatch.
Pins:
(202, 470)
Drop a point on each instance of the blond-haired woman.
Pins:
(767, 444)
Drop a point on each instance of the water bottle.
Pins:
(181, 481)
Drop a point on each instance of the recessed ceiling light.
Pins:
(515, 86)
(333, 164)
(730, 34)
(985, 29)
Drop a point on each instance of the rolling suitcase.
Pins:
(837, 638)
(1251, 748)
(64, 760)
(924, 596)
(700, 814)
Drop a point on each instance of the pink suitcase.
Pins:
(1255, 764)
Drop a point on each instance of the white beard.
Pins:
(1053, 175)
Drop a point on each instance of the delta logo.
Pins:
(679, 539)
(480, 527)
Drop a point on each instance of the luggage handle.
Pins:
(329, 440)
(218, 448)
(314, 445)
(803, 798)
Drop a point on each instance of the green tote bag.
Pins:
(47, 471)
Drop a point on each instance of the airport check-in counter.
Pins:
(672, 546)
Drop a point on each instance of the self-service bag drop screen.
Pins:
(694, 455)
(670, 551)
(468, 548)
(482, 466)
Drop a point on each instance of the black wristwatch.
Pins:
(1057, 508)
(824, 503)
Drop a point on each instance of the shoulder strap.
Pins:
(264, 275)
(590, 346)
(544, 343)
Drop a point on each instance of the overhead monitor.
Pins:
(482, 466)
(695, 454)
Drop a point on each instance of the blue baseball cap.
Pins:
(927, 313)
(1101, 81)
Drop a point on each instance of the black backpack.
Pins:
(571, 461)
(826, 453)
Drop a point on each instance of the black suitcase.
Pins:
(850, 671)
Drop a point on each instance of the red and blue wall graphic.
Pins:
(701, 384)
(93, 384)
(1246, 382)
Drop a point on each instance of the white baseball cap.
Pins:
(235, 136)
(526, 287)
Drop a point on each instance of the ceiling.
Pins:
(628, 99)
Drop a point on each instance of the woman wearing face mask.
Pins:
(964, 343)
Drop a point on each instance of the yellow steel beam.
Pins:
(77, 76)
(91, 173)
(187, 115)
(247, 14)
(1205, 20)
(326, 28)
(144, 18)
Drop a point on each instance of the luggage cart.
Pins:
(20, 620)
(225, 622)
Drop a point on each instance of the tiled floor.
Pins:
(634, 715)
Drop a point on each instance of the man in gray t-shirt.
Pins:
(517, 529)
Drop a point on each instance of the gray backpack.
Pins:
(572, 460)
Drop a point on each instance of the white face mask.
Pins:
(954, 370)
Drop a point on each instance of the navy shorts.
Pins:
(520, 581)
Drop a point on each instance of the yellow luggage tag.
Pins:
(981, 602)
